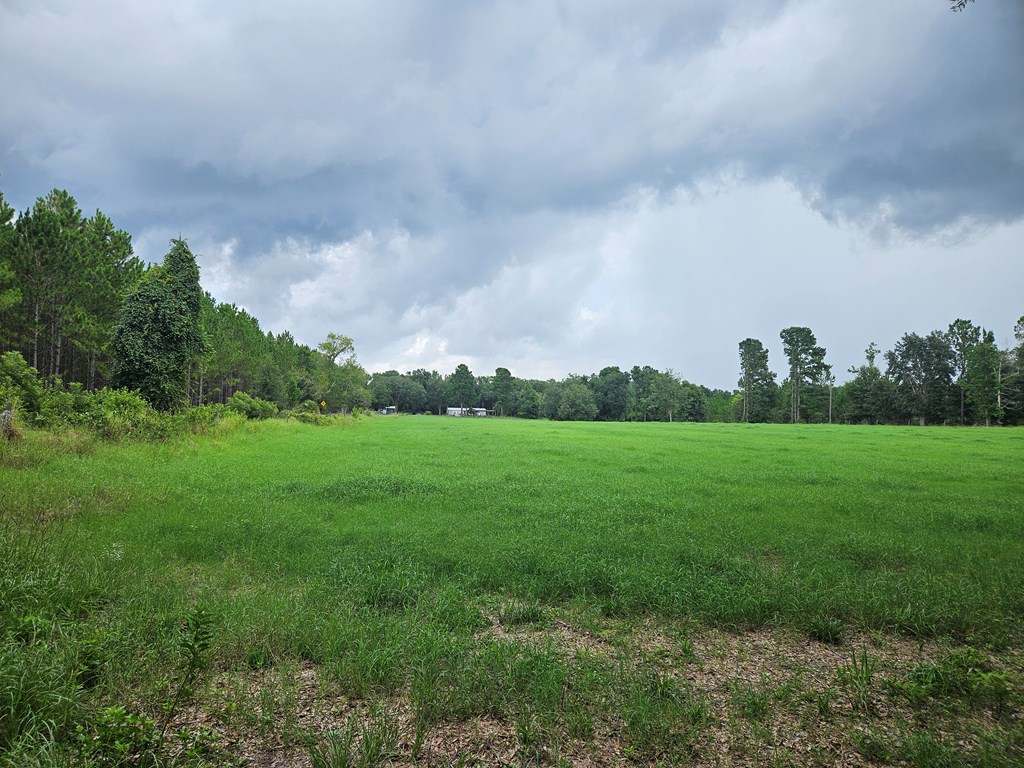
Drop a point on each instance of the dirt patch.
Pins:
(772, 696)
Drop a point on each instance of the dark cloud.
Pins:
(482, 179)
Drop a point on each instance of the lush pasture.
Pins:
(386, 552)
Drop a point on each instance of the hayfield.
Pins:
(425, 589)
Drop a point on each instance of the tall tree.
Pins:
(963, 336)
(158, 335)
(569, 400)
(403, 392)
(611, 393)
(336, 345)
(434, 386)
(981, 380)
(805, 364)
(462, 387)
(868, 395)
(756, 382)
(666, 396)
(1011, 385)
(108, 272)
(527, 400)
(503, 391)
(641, 379)
(46, 261)
(10, 295)
(922, 369)
(673, 399)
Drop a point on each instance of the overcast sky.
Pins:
(550, 186)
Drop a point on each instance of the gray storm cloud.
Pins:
(549, 186)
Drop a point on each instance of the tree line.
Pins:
(86, 313)
(640, 394)
(953, 376)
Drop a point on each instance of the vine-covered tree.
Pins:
(158, 335)
(503, 391)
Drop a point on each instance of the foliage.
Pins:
(611, 393)
(980, 383)
(503, 392)
(922, 368)
(158, 335)
(391, 389)
(71, 274)
(869, 396)
(462, 387)
(672, 399)
(336, 345)
(963, 674)
(806, 365)
(251, 407)
(119, 738)
(10, 294)
(757, 383)
(19, 383)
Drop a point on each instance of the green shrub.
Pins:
(251, 407)
(119, 738)
(19, 383)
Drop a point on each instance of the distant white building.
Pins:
(459, 411)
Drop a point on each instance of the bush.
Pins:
(251, 407)
(19, 383)
(201, 419)
(309, 418)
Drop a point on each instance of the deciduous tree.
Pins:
(922, 369)
(963, 336)
(611, 393)
(980, 381)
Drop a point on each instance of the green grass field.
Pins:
(407, 589)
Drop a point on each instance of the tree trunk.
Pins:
(35, 336)
(56, 365)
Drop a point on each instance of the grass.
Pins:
(501, 575)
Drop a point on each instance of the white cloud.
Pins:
(671, 280)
